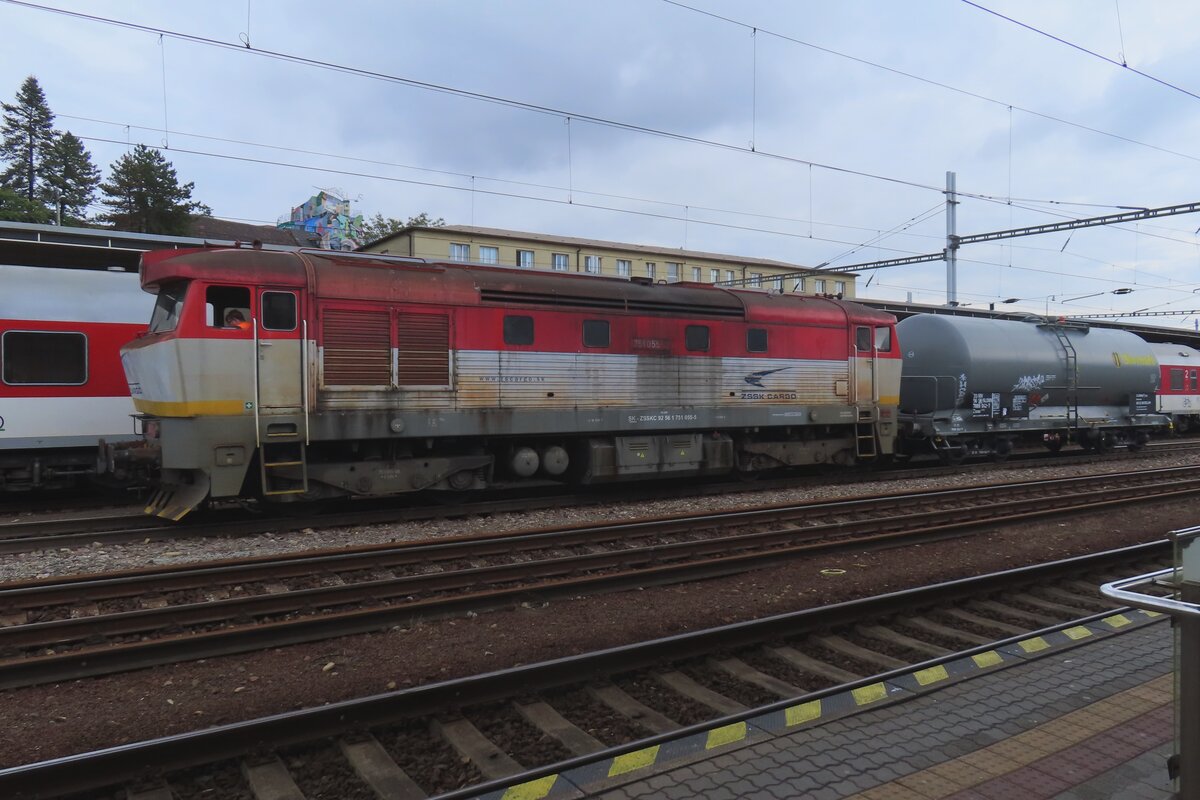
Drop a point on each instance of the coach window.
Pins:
(1176, 380)
(695, 338)
(883, 339)
(756, 340)
(1195, 382)
(279, 311)
(518, 330)
(227, 307)
(40, 357)
(595, 333)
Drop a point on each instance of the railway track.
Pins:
(59, 629)
(115, 528)
(601, 713)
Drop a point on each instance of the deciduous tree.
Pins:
(379, 226)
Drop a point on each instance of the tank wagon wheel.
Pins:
(1053, 442)
(1138, 440)
(1002, 450)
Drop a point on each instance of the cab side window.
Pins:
(862, 339)
(279, 311)
(883, 339)
(228, 307)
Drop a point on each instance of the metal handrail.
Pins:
(1119, 590)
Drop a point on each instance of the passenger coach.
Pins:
(357, 374)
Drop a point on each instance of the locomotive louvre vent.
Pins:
(423, 350)
(357, 348)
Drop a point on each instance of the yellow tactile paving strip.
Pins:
(1023, 749)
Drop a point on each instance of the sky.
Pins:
(810, 132)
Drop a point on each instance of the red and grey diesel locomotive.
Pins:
(312, 374)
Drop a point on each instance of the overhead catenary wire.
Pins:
(931, 81)
(1083, 49)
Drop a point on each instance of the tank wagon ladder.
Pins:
(1071, 362)
(282, 449)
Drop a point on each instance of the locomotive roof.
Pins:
(366, 276)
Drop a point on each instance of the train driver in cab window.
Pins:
(235, 319)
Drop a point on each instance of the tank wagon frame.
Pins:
(357, 374)
(978, 387)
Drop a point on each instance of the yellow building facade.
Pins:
(538, 251)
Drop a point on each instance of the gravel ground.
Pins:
(51, 721)
(104, 558)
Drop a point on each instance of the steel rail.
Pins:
(90, 771)
(562, 575)
(30, 535)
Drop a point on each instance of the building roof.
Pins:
(28, 244)
(600, 244)
(213, 228)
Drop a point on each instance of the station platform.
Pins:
(1090, 722)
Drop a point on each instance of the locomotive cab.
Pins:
(219, 372)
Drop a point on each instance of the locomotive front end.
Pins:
(219, 329)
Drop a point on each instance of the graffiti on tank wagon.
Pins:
(1030, 383)
(962, 389)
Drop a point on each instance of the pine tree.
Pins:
(27, 132)
(15, 207)
(145, 196)
(69, 178)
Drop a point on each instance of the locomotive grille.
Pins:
(423, 350)
(357, 347)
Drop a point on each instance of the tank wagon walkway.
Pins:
(1088, 723)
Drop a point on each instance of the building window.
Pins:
(489, 255)
(756, 279)
(696, 274)
(561, 262)
(651, 270)
(799, 285)
(777, 283)
(820, 286)
(624, 267)
(591, 265)
(41, 357)
(518, 330)
(756, 340)
(525, 259)
(714, 276)
(672, 271)
(695, 337)
(840, 287)
(729, 276)
(595, 333)
(460, 252)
